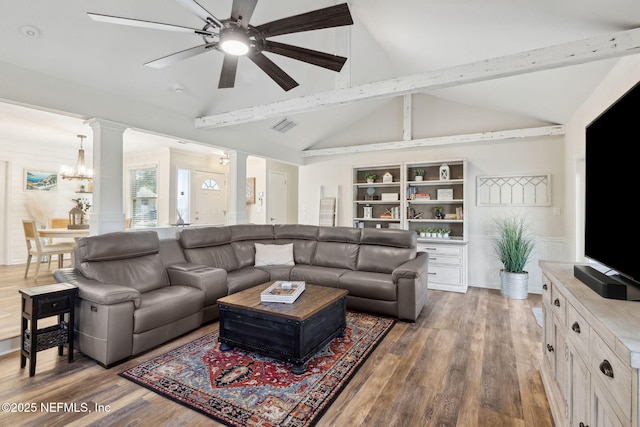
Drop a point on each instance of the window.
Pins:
(143, 187)
(210, 184)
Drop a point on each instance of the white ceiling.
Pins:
(104, 62)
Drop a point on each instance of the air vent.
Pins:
(284, 125)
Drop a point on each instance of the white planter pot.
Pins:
(419, 178)
(514, 285)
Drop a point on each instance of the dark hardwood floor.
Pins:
(470, 360)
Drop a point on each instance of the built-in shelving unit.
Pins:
(379, 203)
(416, 202)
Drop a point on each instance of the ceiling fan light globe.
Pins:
(234, 43)
(234, 47)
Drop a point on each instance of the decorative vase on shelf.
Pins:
(444, 171)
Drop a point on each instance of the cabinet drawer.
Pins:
(445, 260)
(557, 304)
(445, 275)
(546, 290)
(54, 305)
(435, 249)
(612, 373)
(579, 330)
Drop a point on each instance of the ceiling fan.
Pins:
(235, 37)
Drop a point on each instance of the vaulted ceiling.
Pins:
(84, 68)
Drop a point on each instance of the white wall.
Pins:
(39, 205)
(542, 155)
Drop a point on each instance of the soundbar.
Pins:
(606, 286)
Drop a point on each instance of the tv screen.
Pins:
(612, 186)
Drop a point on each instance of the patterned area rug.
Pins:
(239, 388)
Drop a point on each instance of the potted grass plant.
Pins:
(513, 246)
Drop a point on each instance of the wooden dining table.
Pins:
(53, 233)
(63, 233)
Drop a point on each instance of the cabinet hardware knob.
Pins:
(575, 327)
(545, 287)
(54, 305)
(549, 347)
(582, 424)
(606, 368)
(556, 302)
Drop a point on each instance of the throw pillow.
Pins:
(274, 254)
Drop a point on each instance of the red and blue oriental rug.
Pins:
(239, 388)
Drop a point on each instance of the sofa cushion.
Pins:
(214, 256)
(277, 272)
(163, 306)
(144, 273)
(377, 286)
(241, 232)
(339, 234)
(295, 231)
(303, 250)
(202, 237)
(387, 237)
(245, 278)
(338, 255)
(324, 276)
(274, 254)
(383, 259)
(118, 245)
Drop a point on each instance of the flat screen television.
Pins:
(612, 186)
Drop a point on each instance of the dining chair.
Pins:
(37, 248)
(58, 222)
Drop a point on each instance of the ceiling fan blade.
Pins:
(147, 24)
(242, 10)
(284, 80)
(200, 12)
(332, 16)
(228, 73)
(178, 56)
(321, 59)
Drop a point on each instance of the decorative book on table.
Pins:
(282, 291)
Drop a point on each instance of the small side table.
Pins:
(41, 302)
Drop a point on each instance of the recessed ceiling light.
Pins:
(30, 31)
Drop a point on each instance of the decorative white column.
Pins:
(107, 213)
(237, 188)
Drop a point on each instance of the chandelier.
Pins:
(80, 171)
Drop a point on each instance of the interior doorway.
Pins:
(277, 198)
(210, 204)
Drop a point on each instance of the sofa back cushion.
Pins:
(337, 255)
(222, 256)
(381, 251)
(123, 258)
(202, 237)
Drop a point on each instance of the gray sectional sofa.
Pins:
(137, 291)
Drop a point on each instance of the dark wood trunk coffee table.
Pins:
(289, 332)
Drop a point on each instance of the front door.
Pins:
(210, 198)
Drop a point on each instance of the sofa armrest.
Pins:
(98, 292)
(412, 268)
(212, 281)
(411, 279)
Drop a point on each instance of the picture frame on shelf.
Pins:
(445, 194)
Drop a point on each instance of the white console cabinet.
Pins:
(591, 351)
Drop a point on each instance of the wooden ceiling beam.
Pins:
(578, 52)
(504, 135)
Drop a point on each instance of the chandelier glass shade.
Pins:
(80, 171)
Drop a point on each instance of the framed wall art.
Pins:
(39, 180)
